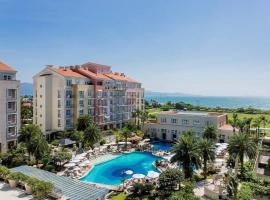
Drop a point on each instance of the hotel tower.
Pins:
(61, 95)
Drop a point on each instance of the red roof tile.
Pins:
(66, 72)
(4, 67)
(120, 78)
(92, 75)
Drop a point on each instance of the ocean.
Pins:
(225, 102)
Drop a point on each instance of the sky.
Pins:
(209, 47)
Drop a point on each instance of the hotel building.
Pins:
(169, 125)
(9, 107)
(61, 95)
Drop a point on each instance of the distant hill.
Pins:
(151, 93)
(26, 89)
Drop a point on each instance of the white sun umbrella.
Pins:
(77, 168)
(75, 161)
(87, 162)
(152, 174)
(129, 172)
(82, 164)
(138, 176)
(70, 165)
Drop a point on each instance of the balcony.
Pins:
(12, 119)
(11, 94)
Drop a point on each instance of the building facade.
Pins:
(61, 95)
(9, 107)
(170, 125)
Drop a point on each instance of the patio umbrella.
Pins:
(129, 172)
(70, 165)
(152, 174)
(138, 176)
(75, 161)
(87, 162)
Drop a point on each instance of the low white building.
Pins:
(169, 125)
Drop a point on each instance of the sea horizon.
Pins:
(216, 101)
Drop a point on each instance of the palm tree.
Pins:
(257, 123)
(210, 133)
(118, 136)
(92, 134)
(126, 133)
(231, 182)
(248, 122)
(144, 117)
(28, 136)
(241, 124)
(234, 121)
(39, 146)
(83, 122)
(264, 120)
(136, 114)
(207, 149)
(241, 145)
(187, 153)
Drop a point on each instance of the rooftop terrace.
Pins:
(194, 113)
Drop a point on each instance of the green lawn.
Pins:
(120, 196)
(242, 116)
(154, 110)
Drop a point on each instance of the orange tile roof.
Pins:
(88, 64)
(120, 78)
(67, 72)
(5, 67)
(227, 127)
(93, 75)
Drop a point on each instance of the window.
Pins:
(163, 120)
(40, 86)
(58, 93)
(68, 123)
(173, 121)
(185, 122)
(68, 113)
(59, 123)
(163, 130)
(7, 77)
(59, 103)
(174, 131)
(81, 94)
(90, 112)
(68, 93)
(11, 131)
(59, 113)
(12, 93)
(11, 106)
(81, 113)
(69, 82)
(68, 103)
(81, 102)
(90, 93)
(89, 102)
(196, 122)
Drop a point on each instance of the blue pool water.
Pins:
(111, 172)
(162, 146)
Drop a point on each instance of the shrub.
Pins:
(142, 189)
(4, 172)
(17, 176)
(245, 193)
(41, 189)
(102, 141)
(169, 179)
(31, 181)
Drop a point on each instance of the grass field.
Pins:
(120, 196)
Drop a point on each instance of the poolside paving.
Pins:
(74, 189)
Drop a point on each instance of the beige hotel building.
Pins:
(9, 107)
(169, 125)
(62, 94)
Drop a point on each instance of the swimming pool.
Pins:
(113, 171)
(162, 146)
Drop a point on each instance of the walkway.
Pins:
(7, 193)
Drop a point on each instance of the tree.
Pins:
(125, 134)
(241, 124)
(257, 123)
(136, 115)
(234, 121)
(144, 117)
(264, 120)
(231, 182)
(241, 145)
(247, 122)
(207, 149)
(92, 135)
(62, 156)
(170, 178)
(186, 192)
(33, 139)
(118, 136)
(210, 133)
(187, 153)
(83, 122)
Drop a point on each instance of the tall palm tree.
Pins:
(231, 182)
(207, 149)
(210, 133)
(126, 133)
(234, 121)
(241, 124)
(92, 134)
(241, 145)
(247, 122)
(257, 123)
(136, 115)
(144, 117)
(264, 121)
(83, 122)
(187, 153)
(39, 146)
(28, 136)
(118, 136)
